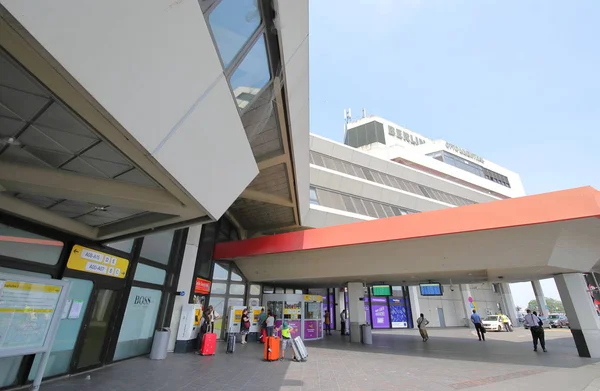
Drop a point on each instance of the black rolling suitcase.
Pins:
(230, 343)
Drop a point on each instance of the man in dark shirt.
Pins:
(476, 320)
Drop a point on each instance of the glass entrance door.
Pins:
(97, 330)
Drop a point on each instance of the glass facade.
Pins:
(115, 317)
(139, 323)
(19, 244)
(471, 167)
(385, 179)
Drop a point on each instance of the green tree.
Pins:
(553, 306)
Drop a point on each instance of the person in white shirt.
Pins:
(422, 323)
(270, 323)
(537, 331)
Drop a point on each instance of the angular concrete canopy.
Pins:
(510, 240)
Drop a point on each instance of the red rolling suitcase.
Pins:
(209, 344)
(272, 349)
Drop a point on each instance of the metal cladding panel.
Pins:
(128, 56)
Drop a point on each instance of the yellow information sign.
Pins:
(94, 261)
(313, 298)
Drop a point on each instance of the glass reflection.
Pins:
(251, 75)
(233, 22)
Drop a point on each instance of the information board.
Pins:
(28, 308)
(93, 261)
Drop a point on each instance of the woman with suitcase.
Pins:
(245, 326)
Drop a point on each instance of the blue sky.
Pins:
(516, 82)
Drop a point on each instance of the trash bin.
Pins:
(367, 337)
(160, 344)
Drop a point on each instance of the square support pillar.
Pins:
(510, 309)
(540, 298)
(465, 292)
(414, 304)
(356, 304)
(339, 306)
(583, 318)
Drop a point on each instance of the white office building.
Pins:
(384, 170)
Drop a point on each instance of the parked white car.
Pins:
(494, 323)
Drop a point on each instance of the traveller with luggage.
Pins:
(286, 340)
(245, 325)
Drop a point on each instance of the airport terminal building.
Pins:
(162, 158)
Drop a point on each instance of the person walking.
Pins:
(245, 326)
(476, 320)
(505, 322)
(343, 321)
(327, 323)
(422, 323)
(537, 331)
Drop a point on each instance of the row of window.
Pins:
(385, 179)
(471, 167)
(353, 204)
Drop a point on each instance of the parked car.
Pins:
(558, 321)
(545, 322)
(494, 323)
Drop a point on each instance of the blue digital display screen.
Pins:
(431, 289)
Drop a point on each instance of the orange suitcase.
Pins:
(272, 348)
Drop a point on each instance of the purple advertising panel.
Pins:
(398, 312)
(320, 329)
(310, 329)
(278, 324)
(381, 315)
(295, 325)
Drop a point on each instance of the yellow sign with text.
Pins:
(94, 261)
(313, 298)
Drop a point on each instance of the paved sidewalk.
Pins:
(451, 360)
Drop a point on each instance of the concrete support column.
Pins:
(356, 304)
(338, 296)
(579, 308)
(465, 292)
(414, 304)
(510, 309)
(539, 297)
(184, 283)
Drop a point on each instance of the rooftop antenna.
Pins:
(364, 113)
(347, 119)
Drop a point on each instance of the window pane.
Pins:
(68, 332)
(388, 210)
(252, 74)
(358, 205)
(370, 208)
(137, 330)
(237, 289)
(221, 272)
(235, 301)
(298, 291)
(157, 247)
(254, 289)
(124, 245)
(150, 274)
(279, 290)
(313, 196)
(348, 204)
(19, 244)
(235, 276)
(232, 23)
(380, 213)
(218, 288)
(268, 289)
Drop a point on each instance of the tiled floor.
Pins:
(398, 360)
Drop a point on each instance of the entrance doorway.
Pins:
(96, 332)
(441, 316)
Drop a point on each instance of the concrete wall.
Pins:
(451, 302)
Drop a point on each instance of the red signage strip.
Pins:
(202, 286)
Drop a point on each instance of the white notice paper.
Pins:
(65, 312)
(75, 311)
